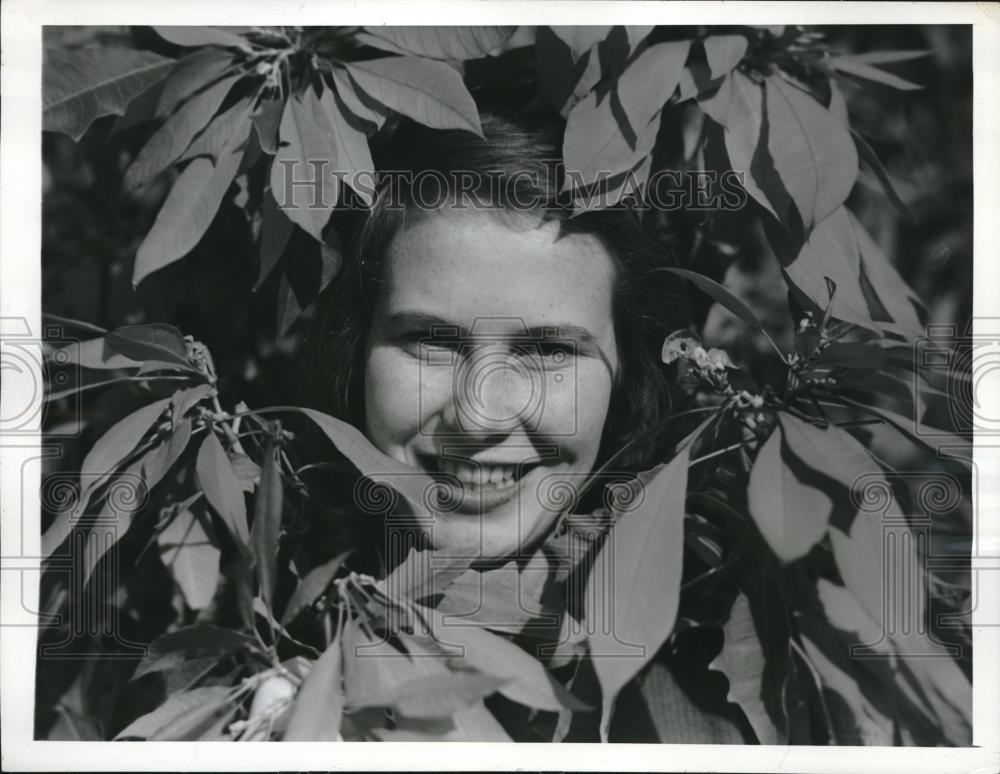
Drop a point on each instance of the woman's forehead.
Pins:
(478, 267)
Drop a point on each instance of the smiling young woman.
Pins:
(486, 336)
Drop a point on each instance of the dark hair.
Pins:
(517, 162)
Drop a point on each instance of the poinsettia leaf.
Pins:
(303, 179)
(650, 80)
(370, 112)
(192, 36)
(424, 574)
(183, 401)
(268, 504)
(526, 680)
(316, 581)
(429, 92)
(887, 57)
(177, 132)
(414, 484)
(595, 149)
(191, 74)
(448, 43)
(266, 118)
(909, 426)
(724, 52)
(581, 39)
(791, 515)
(246, 470)
(814, 155)
(320, 701)
(721, 295)
(217, 138)
(104, 457)
(894, 295)
(81, 85)
(158, 462)
(154, 341)
(93, 353)
(433, 696)
(875, 164)
(831, 253)
(191, 643)
(860, 69)
(191, 557)
(222, 488)
(743, 663)
(275, 233)
(287, 308)
(738, 106)
(633, 589)
(179, 715)
(191, 206)
(353, 159)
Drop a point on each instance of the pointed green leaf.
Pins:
(742, 662)
(80, 85)
(633, 589)
(433, 696)
(276, 230)
(650, 80)
(93, 353)
(813, 154)
(791, 515)
(158, 462)
(179, 715)
(581, 39)
(266, 118)
(448, 43)
(724, 52)
(353, 159)
(831, 252)
(191, 558)
(860, 69)
(303, 174)
(349, 93)
(173, 138)
(222, 488)
(431, 93)
(268, 504)
(155, 341)
(191, 643)
(317, 580)
(202, 36)
(320, 701)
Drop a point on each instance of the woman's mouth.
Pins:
(476, 486)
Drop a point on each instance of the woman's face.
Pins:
(490, 360)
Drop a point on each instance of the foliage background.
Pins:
(92, 227)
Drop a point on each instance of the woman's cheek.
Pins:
(392, 398)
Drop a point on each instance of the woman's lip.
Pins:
(471, 499)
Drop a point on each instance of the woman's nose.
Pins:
(494, 391)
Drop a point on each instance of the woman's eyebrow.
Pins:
(430, 323)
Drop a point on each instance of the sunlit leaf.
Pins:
(860, 69)
(320, 701)
(173, 138)
(434, 696)
(813, 154)
(190, 206)
(650, 81)
(216, 140)
(724, 52)
(192, 36)
(633, 588)
(431, 93)
(268, 504)
(449, 43)
(872, 160)
(316, 581)
(80, 85)
(303, 179)
(93, 353)
(831, 252)
(158, 462)
(790, 514)
(155, 341)
(352, 158)
(581, 39)
(183, 401)
(180, 715)
(191, 643)
(347, 91)
(742, 662)
(190, 556)
(222, 488)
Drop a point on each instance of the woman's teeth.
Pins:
(491, 476)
